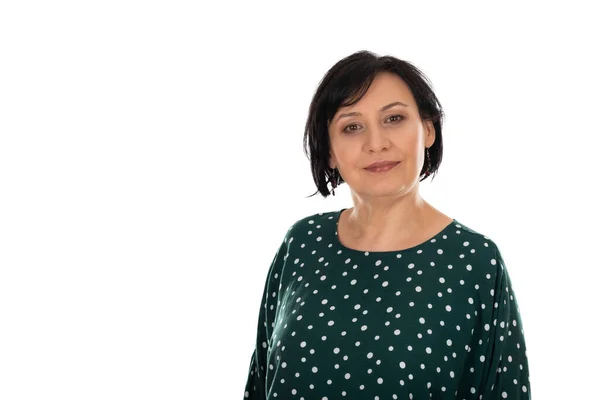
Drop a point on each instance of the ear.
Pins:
(332, 164)
(430, 133)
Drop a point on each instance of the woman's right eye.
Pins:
(346, 130)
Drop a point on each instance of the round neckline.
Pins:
(337, 217)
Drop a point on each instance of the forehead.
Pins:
(386, 88)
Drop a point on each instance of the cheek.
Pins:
(348, 157)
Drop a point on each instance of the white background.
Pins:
(151, 161)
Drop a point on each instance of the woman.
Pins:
(389, 299)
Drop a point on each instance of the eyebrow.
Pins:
(396, 103)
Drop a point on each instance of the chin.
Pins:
(382, 190)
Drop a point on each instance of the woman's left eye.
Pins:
(400, 118)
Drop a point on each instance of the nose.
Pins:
(376, 140)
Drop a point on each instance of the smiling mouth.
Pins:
(382, 168)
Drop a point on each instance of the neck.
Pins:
(381, 218)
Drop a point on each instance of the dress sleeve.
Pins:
(256, 385)
(502, 355)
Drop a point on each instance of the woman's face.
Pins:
(376, 132)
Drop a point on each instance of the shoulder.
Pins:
(309, 223)
(297, 232)
(475, 239)
(481, 253)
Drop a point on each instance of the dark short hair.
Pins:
(344, 85)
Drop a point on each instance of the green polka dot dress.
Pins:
(436, 321)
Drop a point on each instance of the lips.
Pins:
(385, 166)
(380, 164)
